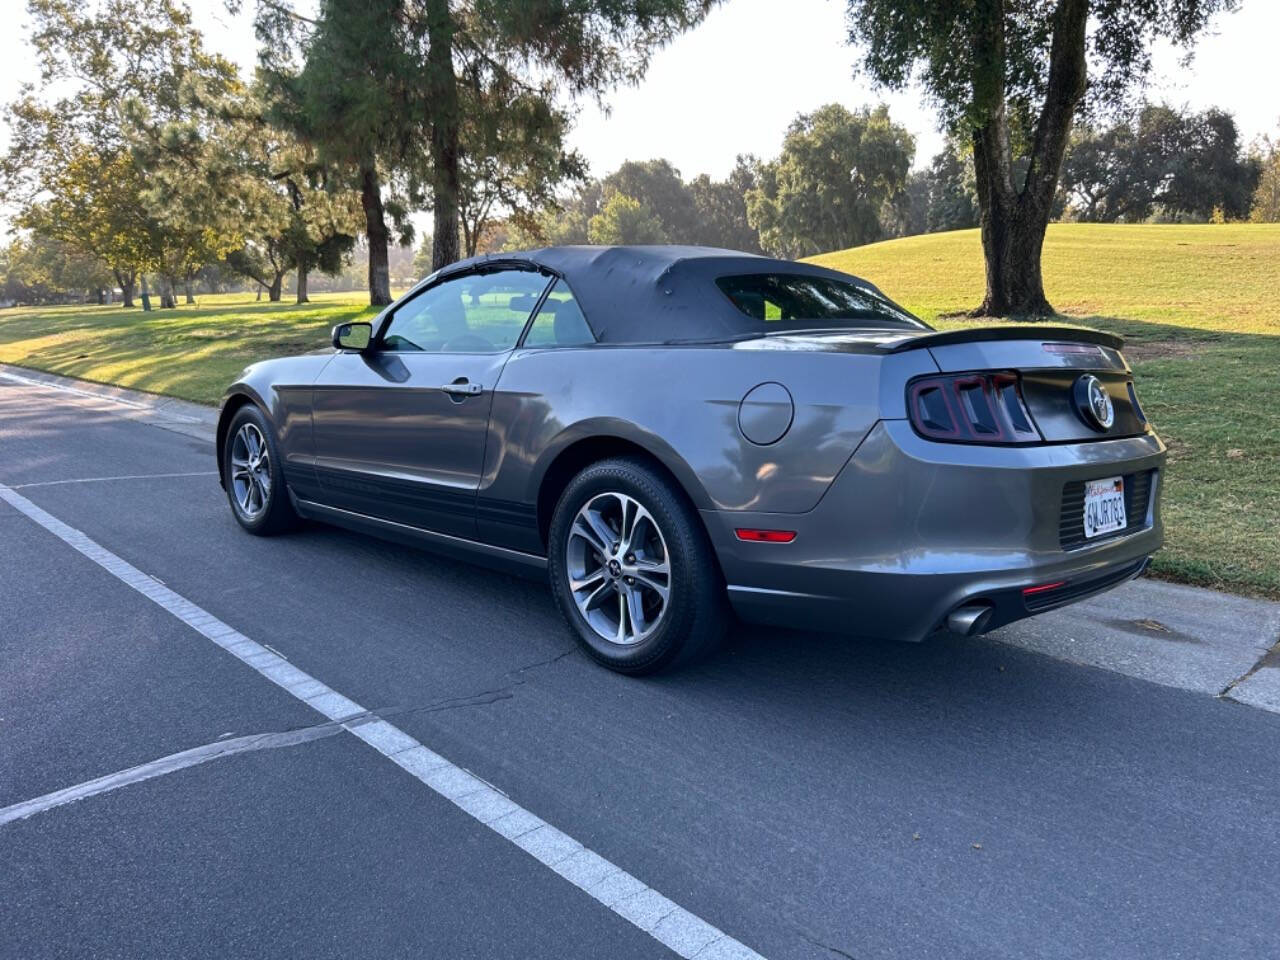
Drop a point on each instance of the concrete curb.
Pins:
(1168, 633)
(1178, 636)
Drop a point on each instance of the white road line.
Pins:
(136, 476)
(158, 768)
(630, 898)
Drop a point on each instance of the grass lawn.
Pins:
(1197, 306)
(190, 352)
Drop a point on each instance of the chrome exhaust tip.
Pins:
(970, 619)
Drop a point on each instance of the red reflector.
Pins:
(765, 536)
(1027, 591)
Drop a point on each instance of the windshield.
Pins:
(782, 302)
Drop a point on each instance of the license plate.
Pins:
(1103, 506)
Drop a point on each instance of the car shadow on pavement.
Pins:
(829, 685)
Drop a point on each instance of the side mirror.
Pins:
(352, 336)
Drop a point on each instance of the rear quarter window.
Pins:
(806, 300)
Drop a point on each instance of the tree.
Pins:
(40, 268)
(657, 185)
(71, 165)
(513, 157)
(406, 70)
(953, 201)
(225, 182)
(830, 187)
(1104, 175)
(1009, 77)
(721, 209)
(89, 200)
(13, 286)
(1161, 162)
(915, 216)
(701, 211)
(941, 196)
(321, 236)
(1206, 172)
(354, 99)
(290, 222)
(1266, 198)
(625, 219)
(581, 45)
(382, 77)
(568, 222)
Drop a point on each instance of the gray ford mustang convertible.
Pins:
(675, 433)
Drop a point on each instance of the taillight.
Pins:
(971, 408)
(1133, 400)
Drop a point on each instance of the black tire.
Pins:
(696, 614)
(276, 514)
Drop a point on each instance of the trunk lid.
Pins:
(1053, 364)
(1050, 362)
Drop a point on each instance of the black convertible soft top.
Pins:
(655, 294)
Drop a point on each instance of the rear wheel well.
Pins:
(233, 404)
(575, 458)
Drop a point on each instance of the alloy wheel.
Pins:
(619, 568)
(250, 471)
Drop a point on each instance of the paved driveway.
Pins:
(796, 796)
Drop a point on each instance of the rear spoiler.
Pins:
(1013, 331)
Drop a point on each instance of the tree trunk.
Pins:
(186, 288)
(468, 238)
(302, 283)
(1011, 246)
(444, 134)
(375, 228)
(273, 291)
(126, 283)
(146, 297)
(100, 295)
(1014, 221)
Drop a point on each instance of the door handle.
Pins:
(463, 388)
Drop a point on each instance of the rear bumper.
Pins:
(911, 529)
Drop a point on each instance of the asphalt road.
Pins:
(806, 795)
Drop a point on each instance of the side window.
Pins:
(475, 313)
(560, 321)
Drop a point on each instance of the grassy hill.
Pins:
(1198, 308)
(1197, 304)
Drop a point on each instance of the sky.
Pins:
(733, 84)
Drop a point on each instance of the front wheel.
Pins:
(253, 475)
(632, 569)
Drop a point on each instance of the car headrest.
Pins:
(570, 326)
(752, 304)
(449, 313)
